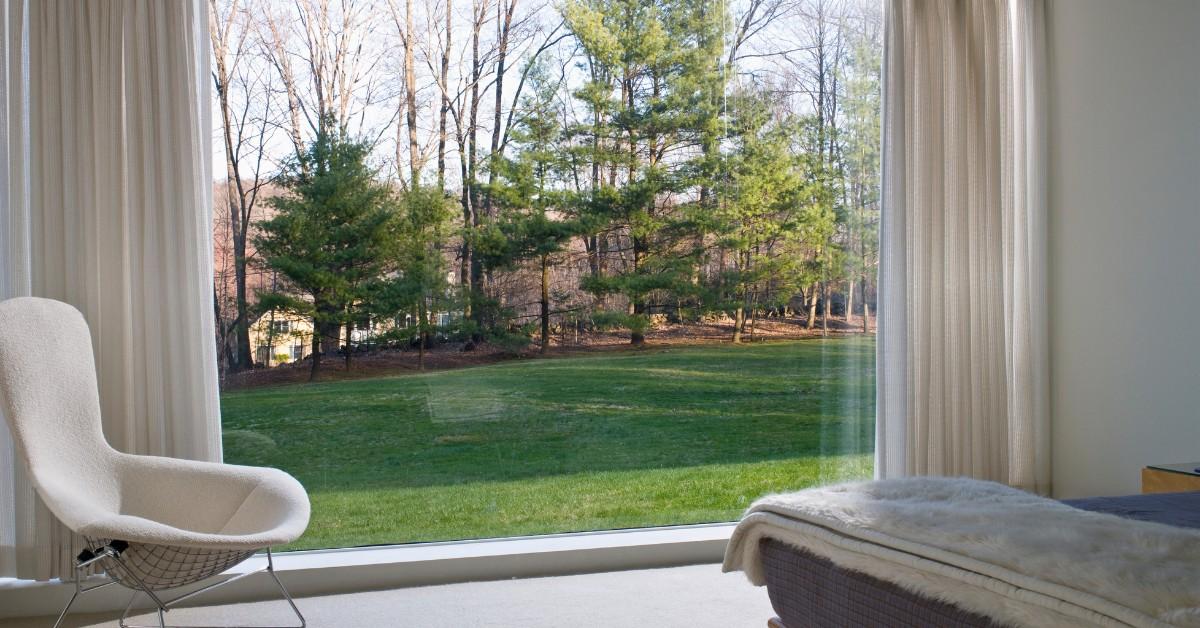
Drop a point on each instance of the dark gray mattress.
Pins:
(809, 591)
(1175, 509)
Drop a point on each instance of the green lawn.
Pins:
(650, 437)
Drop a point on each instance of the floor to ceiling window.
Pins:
(503, 267)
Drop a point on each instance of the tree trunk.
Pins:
(590, 246)
(320, 339)
(592, 243)
(739, 321)
(445, 105)
(465, 282)
(866, 309)
(825, 310)
(283, 65)
(637, 337)
(849, 300)
(545, 304)
(602, 253)
(637, 303)
(812, 308)
(422, 334)
(224, 359)
(753, 315)
(410, 97)
(470, 188)
(464, 263)
(504, 15)
(245, 358)
(349, 348)
(270, 340)
(236, 199)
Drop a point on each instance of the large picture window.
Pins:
(488, 268)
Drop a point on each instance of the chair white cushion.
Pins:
(49, 396)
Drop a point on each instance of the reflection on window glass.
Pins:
(615, 269)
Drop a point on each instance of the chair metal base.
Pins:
(162, 607)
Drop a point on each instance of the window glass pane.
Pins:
(617, 270)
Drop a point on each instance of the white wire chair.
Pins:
(152, 524)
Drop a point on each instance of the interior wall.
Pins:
(1124, 203)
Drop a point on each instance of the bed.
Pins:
(808, 589)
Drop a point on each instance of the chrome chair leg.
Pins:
(282, 589)
(161, 607)
(159, 612)
(79, 590)
(63, 614)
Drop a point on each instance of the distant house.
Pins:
(279, 337)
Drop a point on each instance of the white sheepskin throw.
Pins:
(1013, 556)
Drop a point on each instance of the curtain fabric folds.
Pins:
(963, 366)
(105, 157)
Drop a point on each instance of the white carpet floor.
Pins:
(699, 596)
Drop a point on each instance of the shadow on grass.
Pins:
(567, 503)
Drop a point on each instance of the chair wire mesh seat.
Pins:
(152, 524)
(158, 567)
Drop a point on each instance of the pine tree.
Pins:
(414, 282)
(529, 194)
(862, 103)
(655, 70)
(329, 237)
(819, 218)
(758, 211)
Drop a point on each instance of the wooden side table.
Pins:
(1171, 478)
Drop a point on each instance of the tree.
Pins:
(416, 282)
(669, 158)
(819, 221)
(336, 79)
(530, 222)
(443, 82)
(330, 236)
(862, 104)
(661, 61)
(472, 211)
(242, 88)
(757, 211)
(408, 101)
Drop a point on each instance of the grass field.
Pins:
(679, 434)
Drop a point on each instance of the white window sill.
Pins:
(324, 572)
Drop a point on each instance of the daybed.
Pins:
(957, 552)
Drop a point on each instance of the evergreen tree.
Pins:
(415, 283)
(757, 215)
(815, 244)
(654, 68)
(329, 237)
(529, 193)
(862, 103)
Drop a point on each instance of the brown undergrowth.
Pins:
(452, 355)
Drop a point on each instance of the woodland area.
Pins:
(523, 167)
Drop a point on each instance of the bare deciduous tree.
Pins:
(242, 88)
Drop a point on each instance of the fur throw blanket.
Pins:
(1021, 559)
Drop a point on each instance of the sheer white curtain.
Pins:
(962, 317)
(106, 160)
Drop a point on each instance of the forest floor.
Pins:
(668, 434)
(452, 355)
